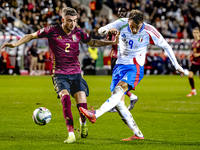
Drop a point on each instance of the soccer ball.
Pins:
(41, 116)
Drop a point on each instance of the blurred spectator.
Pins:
(92, 6)
(150, 63)
(33, 58)
(88, 62)
(83, 19)
(93, 54)
(2, 63)
(184, 61)
(5, 62)
(88, 25)
(4, 20)
(41, 63)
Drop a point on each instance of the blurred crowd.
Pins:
(173, 18)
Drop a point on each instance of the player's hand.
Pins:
(196, 54)
(112, 31)
(181, 72)
(11, 45)
(116, 41)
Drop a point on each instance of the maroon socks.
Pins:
(128, 93)
(66, 102)
(191, 80)
(84, 105)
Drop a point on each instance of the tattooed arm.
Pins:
(98, 43)
(23, 40)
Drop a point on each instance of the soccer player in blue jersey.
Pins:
(64, 46)
(135, 35)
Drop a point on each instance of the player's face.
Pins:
(69, 22)
(121, 13)
(196, 34)
(135, 28)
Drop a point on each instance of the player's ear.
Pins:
(62, 20)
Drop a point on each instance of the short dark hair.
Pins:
(196, 28)
(69, 11)
(137, 16)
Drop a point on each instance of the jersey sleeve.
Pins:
(45, 32)
(118, 24)
(85, 38)
(157, 39)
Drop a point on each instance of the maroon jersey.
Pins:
(64, 48)
(196, 49)
(113, 53)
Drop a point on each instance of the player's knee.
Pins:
(63, 92)
(123, 85)
(118, 89)
(190, 75)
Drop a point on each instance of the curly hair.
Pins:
(137, 16)
(69, 11)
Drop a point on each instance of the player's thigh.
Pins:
(79, 84)
(61, 85)
(80, 97)
(133, 76)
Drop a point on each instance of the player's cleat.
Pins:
(132, 103)
(83, 129)
(191, 94)
(90, 114)
(134, 137)
(70, 139)
(113, 110)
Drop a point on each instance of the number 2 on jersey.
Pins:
(66, 48)
(131, 44)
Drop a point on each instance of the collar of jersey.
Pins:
(129, 30)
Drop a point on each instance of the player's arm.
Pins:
(113, 27)
(98, 43)
(172, 57)
(195, 53)
(23, 40)
(161, 42)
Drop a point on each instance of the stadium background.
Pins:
(175, 19)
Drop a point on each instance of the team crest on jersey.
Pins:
(140, 39)
(74, 37)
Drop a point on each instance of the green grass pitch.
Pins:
(167, 118)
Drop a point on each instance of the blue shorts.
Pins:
(72, 83)
(131, 74)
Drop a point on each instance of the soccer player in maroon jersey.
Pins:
(121, 13)
(64, 45)
(195, 59)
